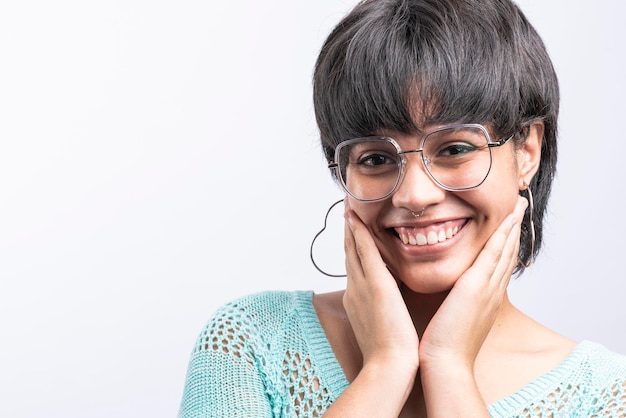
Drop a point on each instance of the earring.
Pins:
(420, 213)
(315, 238)
(532, 226)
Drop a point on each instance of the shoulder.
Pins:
(604, 374)
(254, 316)
(233, 369)
(264, 307)
(602, 362)
(601, 366)
(591, 381)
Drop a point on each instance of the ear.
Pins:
(529, 155)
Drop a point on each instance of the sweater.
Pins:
(266, 355)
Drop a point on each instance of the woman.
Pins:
(438, 118)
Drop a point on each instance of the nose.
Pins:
(417, 188)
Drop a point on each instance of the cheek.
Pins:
(493, 208)
(367, 212)
(500, 190)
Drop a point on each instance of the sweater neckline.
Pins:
(321, 351)
(337, 382)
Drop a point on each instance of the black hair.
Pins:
(404, 64)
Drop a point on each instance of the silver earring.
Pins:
(315, 238)
(532, 226)
(420, 213)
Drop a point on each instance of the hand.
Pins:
(457, 331)
(383, 329)
(375, 307)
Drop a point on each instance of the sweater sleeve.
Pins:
(224, 378)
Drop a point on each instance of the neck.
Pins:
(423, 307)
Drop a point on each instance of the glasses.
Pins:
(456, 157)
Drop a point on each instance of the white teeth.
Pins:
(430, 239)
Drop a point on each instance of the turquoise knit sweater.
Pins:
(266, 355)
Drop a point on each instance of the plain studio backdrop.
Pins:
(158, 158)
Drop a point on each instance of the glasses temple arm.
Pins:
(500, 142)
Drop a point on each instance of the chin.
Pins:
(429, 279)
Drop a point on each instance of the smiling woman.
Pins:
(438, 118)
(161, 158)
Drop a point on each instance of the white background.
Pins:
(158, 158)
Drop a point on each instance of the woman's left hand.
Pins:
(450, 344)
(456, 333)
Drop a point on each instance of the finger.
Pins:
(353, 263)
(501, 249)
(364, 246)
(512, 245)
(508, 260)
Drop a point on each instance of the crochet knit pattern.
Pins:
(266, 355)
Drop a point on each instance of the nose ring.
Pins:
(420, 213)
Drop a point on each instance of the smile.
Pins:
(429, 235)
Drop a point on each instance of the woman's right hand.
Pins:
(373, 302)
(383, 329)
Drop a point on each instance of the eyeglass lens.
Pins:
(455, 158)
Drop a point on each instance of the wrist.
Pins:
(461, 396)
(392, 373)
(380, 389)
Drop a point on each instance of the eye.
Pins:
(369, 158)
(375, 160)
(456, 149)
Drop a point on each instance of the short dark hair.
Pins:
(405, 64)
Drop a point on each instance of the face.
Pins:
(456, 225)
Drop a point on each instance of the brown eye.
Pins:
(456, 149)
(376, 159)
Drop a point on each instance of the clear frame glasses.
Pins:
(456, 157)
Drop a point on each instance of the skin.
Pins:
(430, 331)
